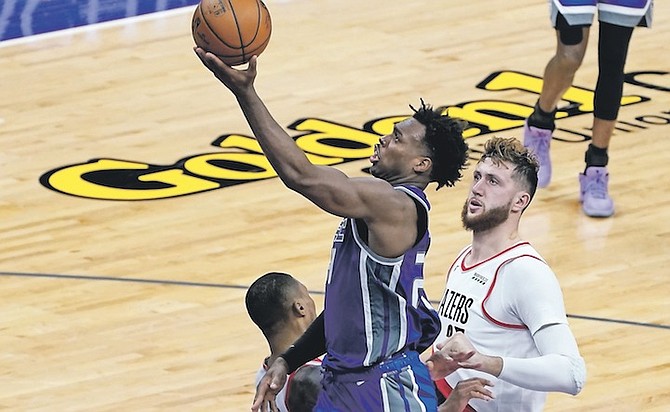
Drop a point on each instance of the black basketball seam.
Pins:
(203, 20)
(251, 52)
(209, 26)
(243, 47)
(264, 44)
(259, 15)
(237, 25)
(239, 32)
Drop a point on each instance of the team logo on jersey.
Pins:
(455, 308)
(239, 159)
(339, 233)
(479, 278)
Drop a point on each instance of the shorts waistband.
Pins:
(395, 362)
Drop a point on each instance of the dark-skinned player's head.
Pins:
(272, 298)
(444, 141)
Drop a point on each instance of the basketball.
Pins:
(234, 30)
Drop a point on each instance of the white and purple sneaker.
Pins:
(596, 201)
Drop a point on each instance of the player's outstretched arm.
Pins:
(327, 187)
(288, 160)
(559, 368)
(534, 289)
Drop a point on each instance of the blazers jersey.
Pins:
(479, 301)
(375, 306)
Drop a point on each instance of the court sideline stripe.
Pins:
(231, 286)
(130, 280)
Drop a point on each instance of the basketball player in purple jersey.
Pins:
(572, 20)
(376, 317)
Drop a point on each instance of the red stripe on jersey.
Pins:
(465, 268)
(464, 251)
(488, 294)
(288, 388)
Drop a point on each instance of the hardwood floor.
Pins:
(131, 227)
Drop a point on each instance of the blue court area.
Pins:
(21, 18)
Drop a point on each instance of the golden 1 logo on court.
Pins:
(325, 143)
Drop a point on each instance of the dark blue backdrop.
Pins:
(20, 18)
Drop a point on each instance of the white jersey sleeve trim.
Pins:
(525, 294)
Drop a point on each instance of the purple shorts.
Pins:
(626, 13)
(401, 383)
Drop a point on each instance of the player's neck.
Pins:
(493, 241)
(409, 180)
(278, 345)
(283, 340)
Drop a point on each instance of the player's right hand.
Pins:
(464, 391)
(272, 382)
(239, 81)
(456, 352)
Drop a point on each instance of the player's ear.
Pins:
(423, 164)
(298, 308)
(521, 201)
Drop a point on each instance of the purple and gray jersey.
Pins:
(376, 306)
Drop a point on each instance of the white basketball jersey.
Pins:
(473, 304)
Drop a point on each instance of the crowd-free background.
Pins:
(135, 209)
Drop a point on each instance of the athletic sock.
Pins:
(541, 119)
(596, 156)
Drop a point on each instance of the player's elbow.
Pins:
(294, 172)
(578, 369)
(294, 178)
(297, 182)
(316, 192)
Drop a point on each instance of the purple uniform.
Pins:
(377, 317)
(626, 13)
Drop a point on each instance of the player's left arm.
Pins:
(536, 298)
(559, 368)
(326, 186)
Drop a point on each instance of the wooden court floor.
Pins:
(135, 210)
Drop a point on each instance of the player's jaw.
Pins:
(478, 218)
(389, 162)
(381, 167)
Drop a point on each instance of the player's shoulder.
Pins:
(529, 275)
(380, 190)
(413, 192)
(372, 181)
(398, 199)
(526, 260)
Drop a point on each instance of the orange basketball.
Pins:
(234, 30)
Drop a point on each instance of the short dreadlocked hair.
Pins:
(444, 139)
(511, 150)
